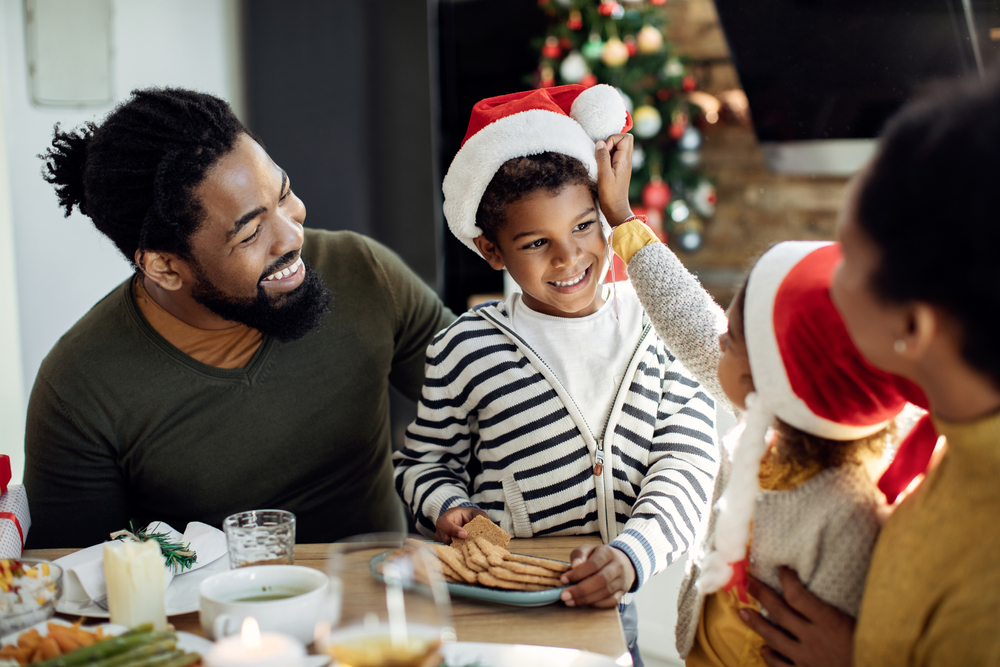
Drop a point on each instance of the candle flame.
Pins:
(250, 634)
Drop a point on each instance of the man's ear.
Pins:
(490, 252)
(165, 269)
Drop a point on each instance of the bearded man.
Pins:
(244, 365)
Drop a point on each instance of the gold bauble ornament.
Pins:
(649, 40)
(615, 53)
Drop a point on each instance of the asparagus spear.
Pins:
(139, 652)
(106, 648)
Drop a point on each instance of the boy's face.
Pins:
(554, 249)
(734, 364)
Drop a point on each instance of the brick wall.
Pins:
(755, 208)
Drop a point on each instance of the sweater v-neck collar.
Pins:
(244, 375)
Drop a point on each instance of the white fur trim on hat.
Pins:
(525, 133)
(766, 366)
(736, 506)
(600, 110)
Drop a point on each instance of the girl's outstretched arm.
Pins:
(685, 316)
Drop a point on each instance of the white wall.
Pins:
(63, 265)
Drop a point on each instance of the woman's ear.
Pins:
(490, 251)
(166, 270)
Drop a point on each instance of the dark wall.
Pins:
(485, 50)
(341, 93)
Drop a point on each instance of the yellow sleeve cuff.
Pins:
(631, 237)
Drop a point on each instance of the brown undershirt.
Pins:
(222, 348)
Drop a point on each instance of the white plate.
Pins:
(459, 654)
(181, 596)
(185, 640)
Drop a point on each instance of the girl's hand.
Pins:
(603, 575)
(449, 524)
(614, 171)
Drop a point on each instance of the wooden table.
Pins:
(595, 630)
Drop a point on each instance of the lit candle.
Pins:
(254, 648)
(136, 581)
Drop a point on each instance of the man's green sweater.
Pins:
(123, 426)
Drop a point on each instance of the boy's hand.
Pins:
(602, 576)
(614, 171)
(449, 524)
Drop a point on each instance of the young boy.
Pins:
(558, 412)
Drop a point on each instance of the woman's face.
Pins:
(879, 329)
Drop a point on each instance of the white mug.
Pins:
(282, 598)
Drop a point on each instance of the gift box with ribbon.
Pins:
(14, 517)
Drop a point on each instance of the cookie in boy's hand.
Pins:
(483, 527)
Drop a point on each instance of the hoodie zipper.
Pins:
(598, 469)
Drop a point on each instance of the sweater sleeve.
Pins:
(431, 473)
(684, 315)
(418, 315)
(677, 487)
(76, 490)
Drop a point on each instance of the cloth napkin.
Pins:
(85, 569)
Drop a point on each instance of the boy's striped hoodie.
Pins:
(497, 430)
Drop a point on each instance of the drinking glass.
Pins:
(260, 537)
(395, 609)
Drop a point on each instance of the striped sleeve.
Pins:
(676, 485)
(431, 473)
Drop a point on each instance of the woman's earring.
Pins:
(899, 346)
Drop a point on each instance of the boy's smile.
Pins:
(553, 247)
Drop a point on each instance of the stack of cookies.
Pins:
(483, 559)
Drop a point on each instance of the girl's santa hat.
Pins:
(806, 372)
(564, 119)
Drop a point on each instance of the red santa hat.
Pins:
(564, 119)
(806, 372)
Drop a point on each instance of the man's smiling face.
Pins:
(247, 251)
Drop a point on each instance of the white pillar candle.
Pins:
(254, 648)
(136, 581)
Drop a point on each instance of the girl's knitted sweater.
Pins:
(496, 429)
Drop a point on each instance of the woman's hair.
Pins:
(134, 174)
(803, 449)
(929, 202)
(518, 177)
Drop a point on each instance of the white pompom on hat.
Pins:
(564, 119)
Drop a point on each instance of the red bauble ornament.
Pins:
(575, 21)
(664, 94)
(657, 2)
(608, 8)
(656, 194)
(589, 80)
(630, 45)
(565, 43)
(676, 130)
(551, 48)
(689, 83)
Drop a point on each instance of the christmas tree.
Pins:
(623, 44)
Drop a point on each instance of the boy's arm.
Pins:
(676, 491)
(430, 470)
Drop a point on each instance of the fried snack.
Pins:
(487, 579)
(524, 568)
(554, 565)
(454, 559)
(494, 555)
(504, 573)
(450, 574)
(483, 527)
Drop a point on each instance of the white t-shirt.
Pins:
(588, 354)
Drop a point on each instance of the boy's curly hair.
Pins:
(518, 177)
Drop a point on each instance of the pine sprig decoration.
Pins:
(174, 553)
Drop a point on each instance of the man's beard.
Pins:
(293, 316)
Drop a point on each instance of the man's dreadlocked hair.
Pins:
(134, 174)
